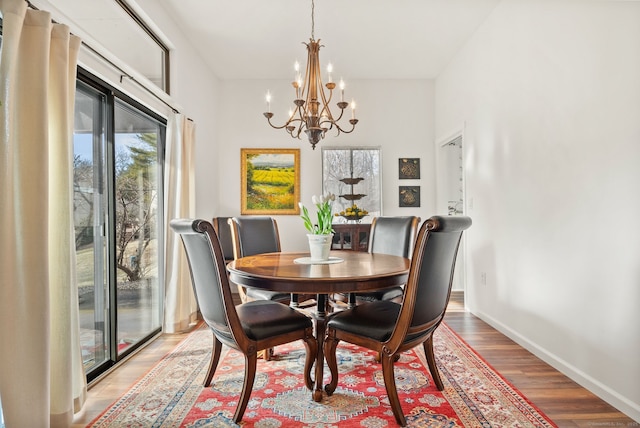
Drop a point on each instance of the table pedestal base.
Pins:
(319, 321)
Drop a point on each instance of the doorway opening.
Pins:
(451, 195)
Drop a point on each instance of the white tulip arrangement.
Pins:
(324, 215)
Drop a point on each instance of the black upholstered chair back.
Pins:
(255, 235)
(249, 327)
(223, 229)
(393, 235)
(435, 252)
(208, 272)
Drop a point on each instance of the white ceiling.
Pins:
(364, 39)
(261, 39)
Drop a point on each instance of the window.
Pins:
(346, 165)
(118, 158)
(116, 26)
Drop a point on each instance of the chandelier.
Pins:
(311, 112)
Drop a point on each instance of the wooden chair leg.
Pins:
(250, 362)
(431, 362)
(378, 357)
(330, 346)
(392, 392)
(311, 345)
(215, 358)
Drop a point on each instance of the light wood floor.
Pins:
(561, 399)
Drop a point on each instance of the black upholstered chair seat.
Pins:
(375, 320)
(263, 318)
(258, 294)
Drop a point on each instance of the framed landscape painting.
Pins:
(270, 181)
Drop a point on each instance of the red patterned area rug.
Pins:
(171, 394)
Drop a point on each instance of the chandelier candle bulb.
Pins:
(297, 80)
(268, 97)
(341, 90)
(329, 71)
(353, 109)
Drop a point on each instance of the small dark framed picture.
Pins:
(409, 196)
(408, 168)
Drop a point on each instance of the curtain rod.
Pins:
(123, 73)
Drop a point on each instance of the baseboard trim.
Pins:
(618, 401)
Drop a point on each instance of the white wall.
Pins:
(394, 115)
(548, 94)
(197, 90)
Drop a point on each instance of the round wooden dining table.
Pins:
(344, 272)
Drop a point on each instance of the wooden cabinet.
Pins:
(351, 236)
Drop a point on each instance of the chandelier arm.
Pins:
(286, 124)
(300, 112)
(325, 113)
(328, 121)
(296, 115)
(323, 97)
(297, 132)
(353, 123)
(304, 90)
(341, 114)
(328, 115)
(321, 88)
(326, 102)
(275, 126)
(310, 85)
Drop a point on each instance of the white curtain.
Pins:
(180, 308)
(41, 374)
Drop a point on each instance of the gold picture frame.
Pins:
(270, 181)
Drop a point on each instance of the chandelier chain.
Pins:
(313, 21)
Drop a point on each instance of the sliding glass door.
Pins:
(118, 152)
(89, 208)
(137, 205)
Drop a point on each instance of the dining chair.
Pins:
(256, 235)
(248, 327)
(389, 235)
(391, 328)
(221, 225)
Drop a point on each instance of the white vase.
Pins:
(319, 246)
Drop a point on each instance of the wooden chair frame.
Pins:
(403, 328)
(228, 329)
